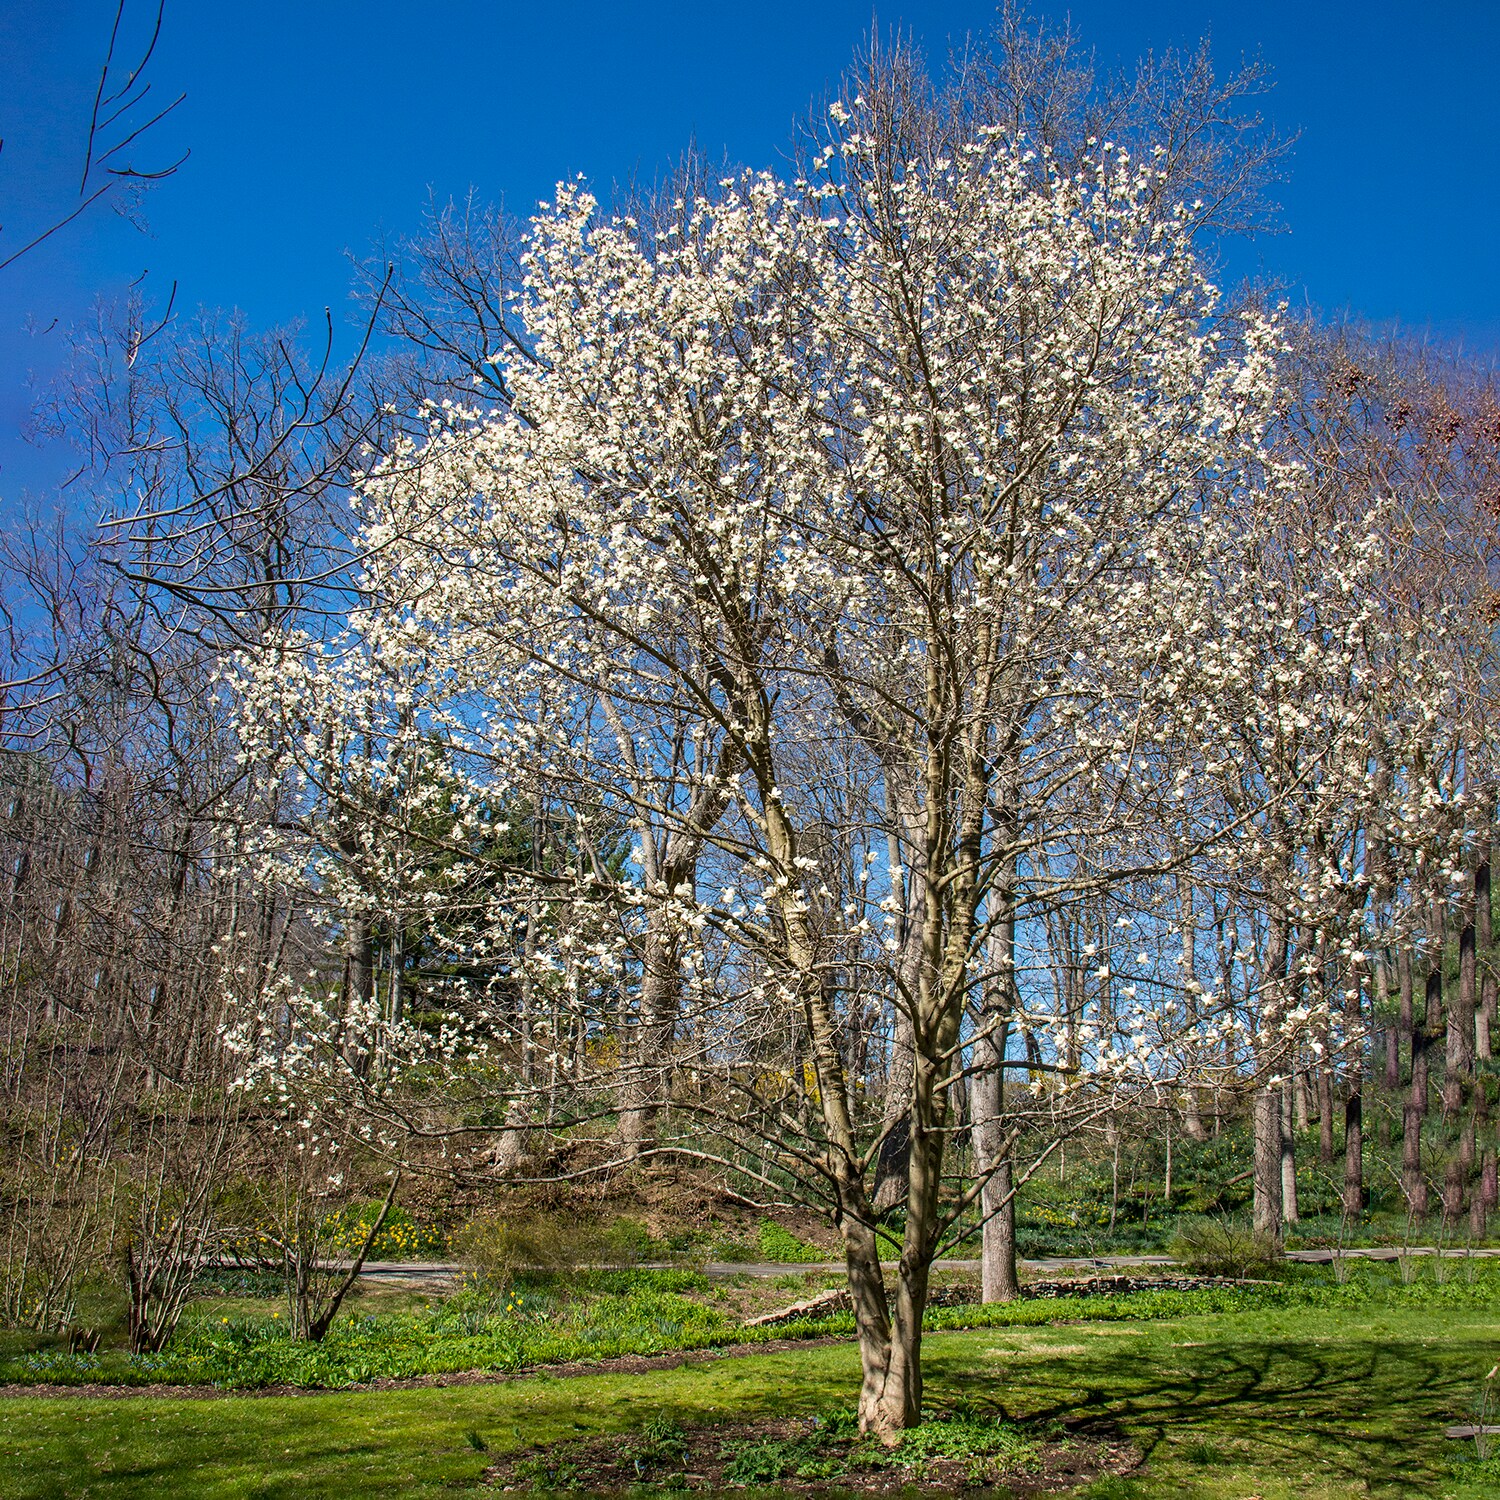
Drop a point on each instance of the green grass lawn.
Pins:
(1298, 1402)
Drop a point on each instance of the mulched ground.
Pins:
(697, 1458)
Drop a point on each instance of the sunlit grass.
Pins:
(1296, 1404)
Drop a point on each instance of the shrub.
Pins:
(497, 1248)
(1223, 1247)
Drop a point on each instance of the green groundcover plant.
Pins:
(780, 1245)
(606, 1314)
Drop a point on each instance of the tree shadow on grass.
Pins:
(1365, 1412)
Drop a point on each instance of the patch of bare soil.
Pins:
(815, 1455)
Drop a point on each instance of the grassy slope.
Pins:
(1306, 1404)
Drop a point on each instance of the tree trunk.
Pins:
(1192, 1116)
(1484, 1017)
(1390, 1034)
(1458, 1059)
(1484, 1020)
(1413, 1179)
(890, 1392)
(1354, 1185)
(1478, 1130)
(909, 891)
(1266, 1171)
(891, 1388)
(998, 1279)
(646, 1075)
(890, 1398)
(1192, 1113)
(1288, 1156)
(318, 1324)
(1454, 1177)
(1421, 1087)
(1489, 1178)
(992, 1165)
(511, 1146)
(1325, 1107)
(1407, 1017)
(1458, 1072)
(895, 1126)
(359, 989)
(872, 1314)
(993, 1168)
(1266, 1174)
(892, 1159)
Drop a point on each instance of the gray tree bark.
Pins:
(1266, 1171)
(1288, 1155)
(1354, 1184)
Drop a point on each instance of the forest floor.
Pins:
(1294, 1403)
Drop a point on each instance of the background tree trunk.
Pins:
(1288, 1155)
(1266, 1172)
(1354, 1185)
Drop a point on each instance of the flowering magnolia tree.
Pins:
(848, 547)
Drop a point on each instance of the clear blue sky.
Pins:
(315, 126)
